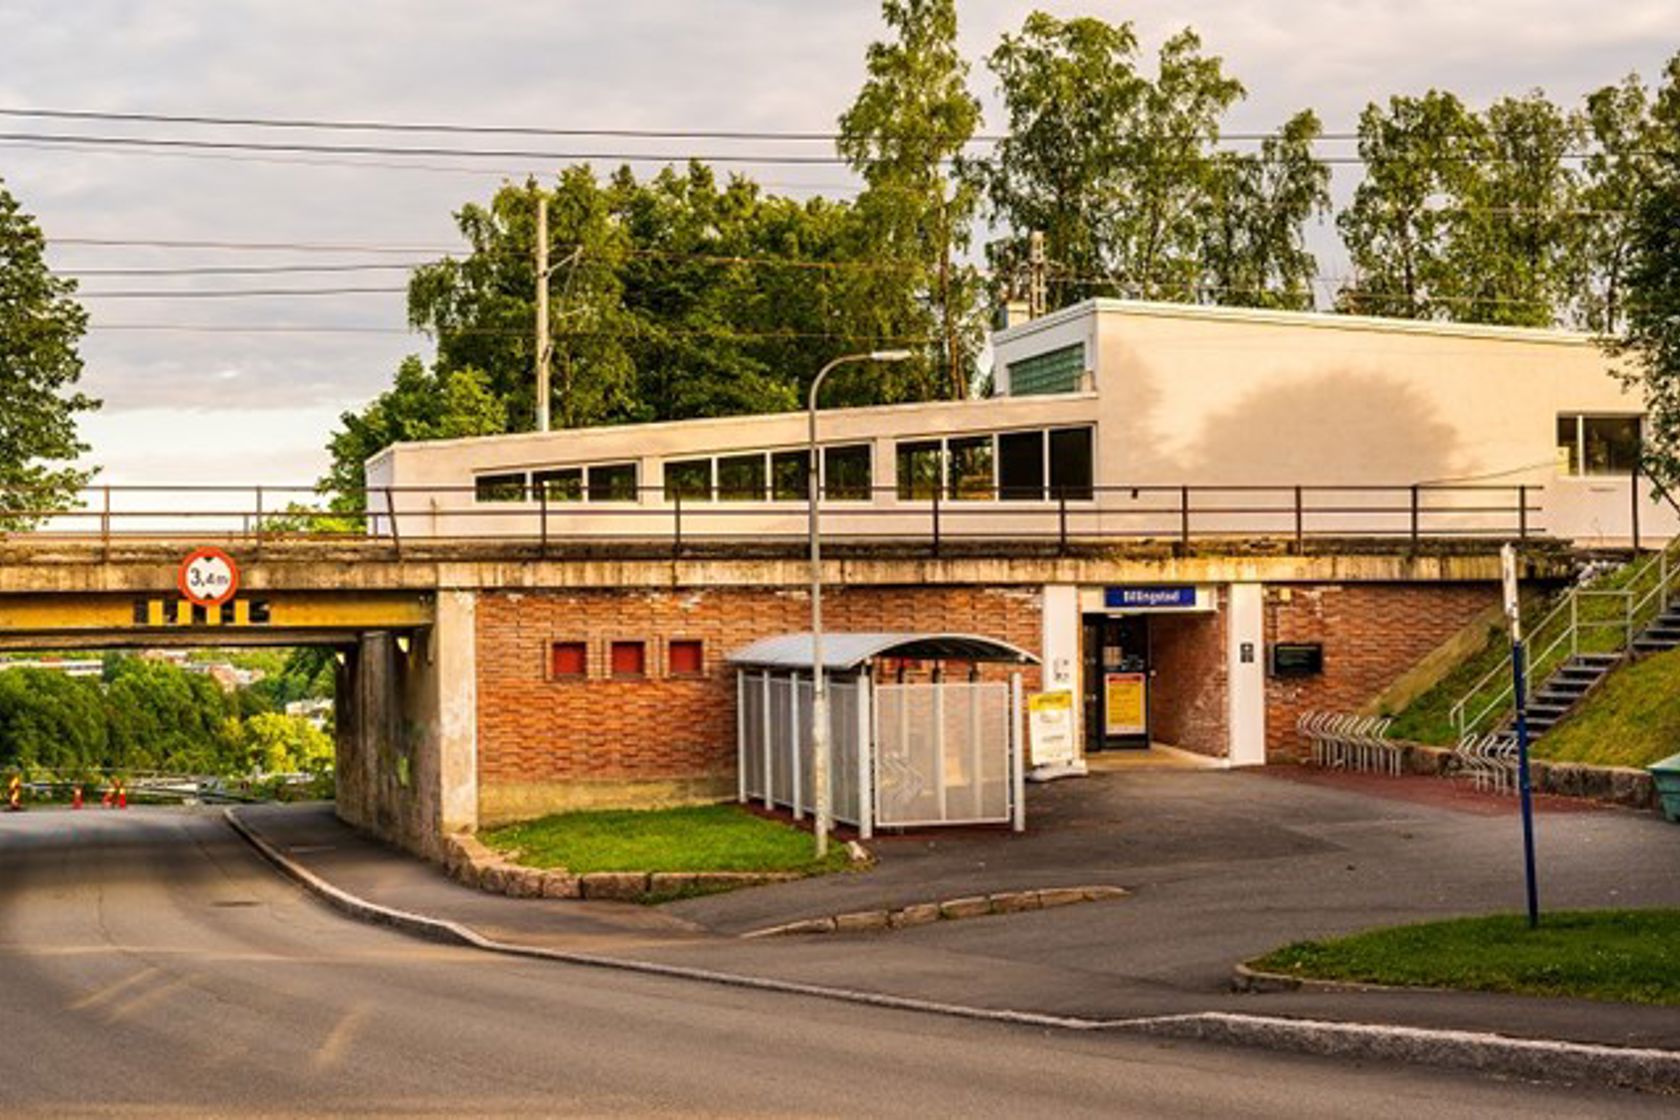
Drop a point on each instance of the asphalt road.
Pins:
(151, 965)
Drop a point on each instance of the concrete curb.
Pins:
(1649, 1070)
(1247, 979)
(949, 910)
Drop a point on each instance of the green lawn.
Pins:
(691, 838)
(1630, 956)
(1428, 719)
(1632, 719)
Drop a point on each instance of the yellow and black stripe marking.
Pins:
(160, 613)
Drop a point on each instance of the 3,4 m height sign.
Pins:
(208, 577)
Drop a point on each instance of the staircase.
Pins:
(1663, 632)
(1565, 688)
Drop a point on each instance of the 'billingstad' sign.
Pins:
(1147, 598)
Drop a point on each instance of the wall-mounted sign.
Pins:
(208, 577)
(1148, 598)
(1297, 659)
(1050, 728)
(1125, 705)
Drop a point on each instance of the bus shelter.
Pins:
(905, 754)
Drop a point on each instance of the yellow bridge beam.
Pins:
(256, 611)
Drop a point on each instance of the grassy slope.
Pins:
(691, 838)
(1427, 719)
(1632, 719)
(1630, 956)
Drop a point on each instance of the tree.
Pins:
(1650, 341)
(421, 404)
(910, 123)
(40, 326)
(1416, 151)
(280, 744)
(1254, 250)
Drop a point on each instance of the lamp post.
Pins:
(819, 677)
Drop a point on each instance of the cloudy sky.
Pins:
(227, 402)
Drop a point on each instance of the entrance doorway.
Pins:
(1115, 652)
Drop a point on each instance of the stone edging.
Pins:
(1644, 1068)
(951, 909)
(1245, 978)
(1615, 785)
(471, 863)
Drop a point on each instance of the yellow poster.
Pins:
(1124, 705)
(1050, 726)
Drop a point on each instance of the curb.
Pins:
(949, 910)
(1650, 1070)
(1247, 979)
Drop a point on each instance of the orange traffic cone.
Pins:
(14, 794)
(76, 797)
(122, 796)
(110, 796)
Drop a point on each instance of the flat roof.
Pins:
(848, 651)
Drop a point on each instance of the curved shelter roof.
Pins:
(843, 651)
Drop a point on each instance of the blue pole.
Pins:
(1517, 673)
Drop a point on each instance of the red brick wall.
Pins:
(533, 729)
(1187, 694)
(1372, 633)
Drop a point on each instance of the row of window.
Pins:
(626, 659)
(1597, 444)
(1014, 466)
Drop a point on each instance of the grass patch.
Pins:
(1428, 718)
(1632, 719)
(690, 838)
(1629, 956)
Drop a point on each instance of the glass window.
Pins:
(971, 467)
(788, 471)
(629, 659)
(1020, 460)
(1070, 463)
(847, 475)
(613, 482)
(919, 469)
(499, 488)
(1609, 444)
(689, 478)
(686, 657)
(559, 485)
(1569, 444)
(568, 659)
(1057, 371)
(740, 478)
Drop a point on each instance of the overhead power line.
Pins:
(247, 270)
(233, 293)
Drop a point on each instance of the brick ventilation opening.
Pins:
(687, 658)
(569, 659)
(629, 659)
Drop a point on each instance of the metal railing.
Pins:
(1292, 514)
(1603, 617)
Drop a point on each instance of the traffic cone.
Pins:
(110, 796)
(14, 794)
(76, 797)
(122, 796)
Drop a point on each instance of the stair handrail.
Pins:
(1635, 607)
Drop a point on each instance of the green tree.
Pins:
(1650, 340)
(1254, 248)
(280, 744)
(1416, 151)
(421, 404)
(903, 134)
(40, 326)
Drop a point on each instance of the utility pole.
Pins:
(542, 312)
(1036, 294)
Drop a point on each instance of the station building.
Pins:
(1200, 521)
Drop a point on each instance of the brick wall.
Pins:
(634, 735)
(1372, 633)
(1187, 652)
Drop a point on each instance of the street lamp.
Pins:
(819, 677)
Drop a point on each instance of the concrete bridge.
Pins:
(453, 709)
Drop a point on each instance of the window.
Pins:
(689, 479)
(564, 485)
(613, 482)
(919, 469)
(499, 488)
(846, 473)
(685, 657)
(970, 467)
(740, 478)
(1590, 445)
(568, 660)
(1054, 371)
(629, 659)
(1070, 463)
(1020, 460)
(788, 471)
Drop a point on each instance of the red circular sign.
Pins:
(208, 577)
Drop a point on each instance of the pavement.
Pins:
(1220, 865)
(151, 964)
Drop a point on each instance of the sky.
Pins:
(234, 404)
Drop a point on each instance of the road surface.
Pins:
(151, 965)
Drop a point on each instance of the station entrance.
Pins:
(1116, 674)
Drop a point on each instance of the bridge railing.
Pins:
(929, 516)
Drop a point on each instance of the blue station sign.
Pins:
(1148, 598)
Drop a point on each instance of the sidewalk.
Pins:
(1221, 866)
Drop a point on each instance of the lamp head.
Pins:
(890, 355)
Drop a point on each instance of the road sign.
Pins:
(208, 577)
